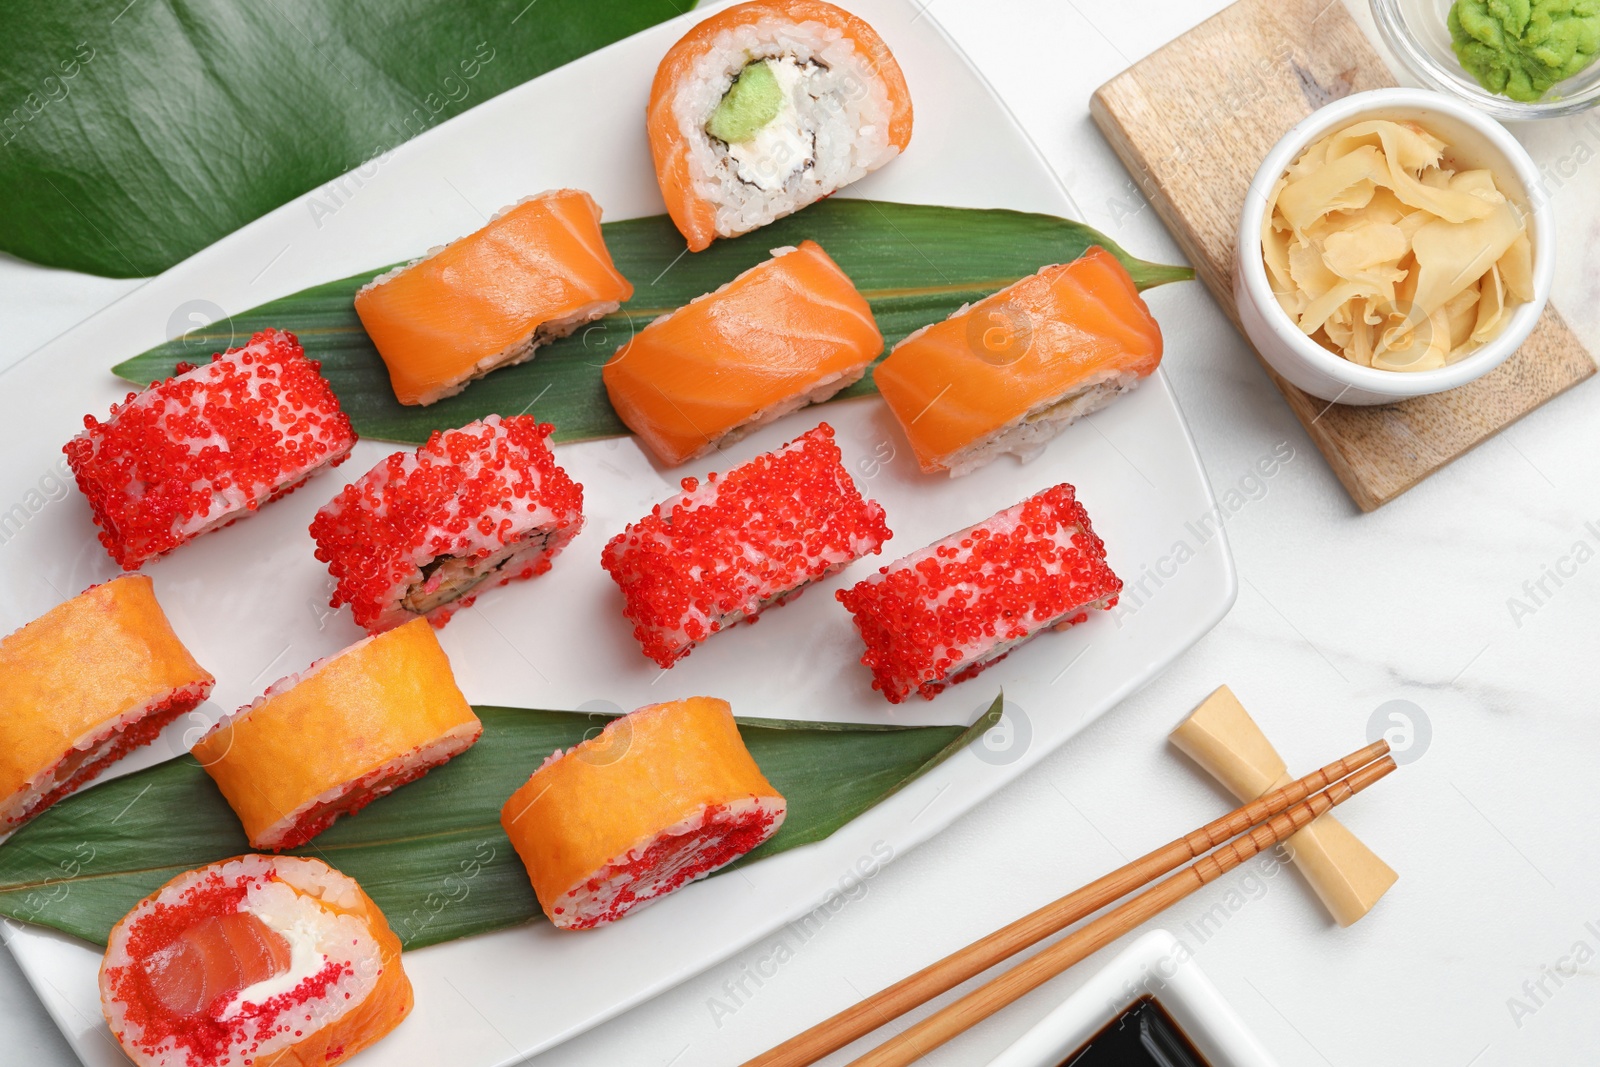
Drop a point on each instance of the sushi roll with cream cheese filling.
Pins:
(768, 106)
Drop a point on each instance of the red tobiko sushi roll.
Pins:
(422, 532)
(744, 541)
(943, 614)
(254, 961)
(207, 447)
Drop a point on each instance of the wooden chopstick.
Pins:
(915, 1042)
(862, 1018)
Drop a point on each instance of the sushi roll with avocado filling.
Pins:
(767, 107)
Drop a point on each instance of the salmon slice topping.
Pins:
(216, 957)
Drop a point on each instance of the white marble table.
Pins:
(1483, 953)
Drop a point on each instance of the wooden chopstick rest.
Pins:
(1223, 739)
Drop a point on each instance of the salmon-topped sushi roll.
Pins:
(85, 684)
(329, 741)
(536, 272)
(786, 333)
(768, 106)
(271, 961)
(1013, 370)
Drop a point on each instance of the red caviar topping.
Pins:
(204, 1035)
(207, 446)
(745, 540)
(943, 614)
(466, 494)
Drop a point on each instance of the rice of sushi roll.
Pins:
(330, 740)
(271, 961)
(744, 541)
(1010, 372)
(85, 684)
(208, 447)
(768, 106)
(423, 532)
(535, 273)
(944, 613)
(660, 798)
(788, 332)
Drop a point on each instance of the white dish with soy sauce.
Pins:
(1108, 1022)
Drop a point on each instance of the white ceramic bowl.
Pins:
(1161, 966)
(1474, 140)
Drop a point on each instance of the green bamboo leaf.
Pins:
(135, 134)
(914, 264)
(431, 854)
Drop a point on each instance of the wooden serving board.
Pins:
(1193, 121)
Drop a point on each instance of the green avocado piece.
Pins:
(1520, 48)
(752, 101)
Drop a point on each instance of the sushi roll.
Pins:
(942, 614)
(275, 961)
(743, 542)
(660, 798)
(1010, 372)
(766, 107)
(329, 741)
(788, 332)
(535, 273)
(208, 447)
(85, 684)
(423, 532)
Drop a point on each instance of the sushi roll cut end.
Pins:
(538, 271)
(768, 106)
(1009, 373)
(208, 447)
(273, 961)
(84, 684)
(788, 332)
(946, 612)
(747, 540)
(422, 533)
(327, 742)
(660, 798)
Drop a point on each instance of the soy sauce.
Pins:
(1143, 1036)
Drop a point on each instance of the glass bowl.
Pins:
(1417, 33)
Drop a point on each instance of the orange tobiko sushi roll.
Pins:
(256, 961)
(659, 798)
(766, 107)
(83, 685)
(1013, 370)
(348, 730)
(788, 332)
(536, 272)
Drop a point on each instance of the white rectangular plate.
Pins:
(251, 600)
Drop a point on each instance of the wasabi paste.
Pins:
(753, 100)
(1520, 48)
